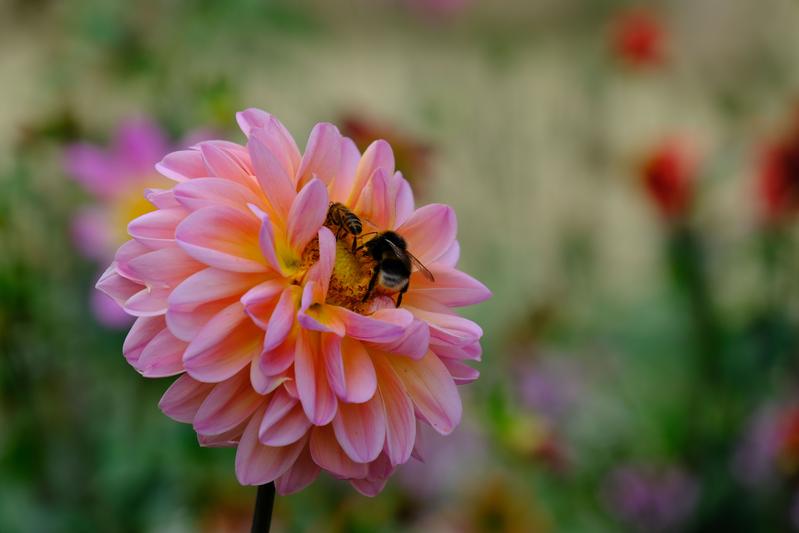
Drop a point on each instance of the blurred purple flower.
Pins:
(651, 499)
(549, 386)
(754, 461)
(116, 177)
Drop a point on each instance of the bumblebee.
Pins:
(394, 264)
(342, 218)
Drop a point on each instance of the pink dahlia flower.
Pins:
(243, 286)
(115, 177)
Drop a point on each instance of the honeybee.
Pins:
(340, 216)
(394, 264)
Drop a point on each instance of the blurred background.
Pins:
(626, 178)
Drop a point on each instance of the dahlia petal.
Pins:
(277, 360)
(377, 155)
(274, 178)
(322, 156)
(451, 287)
(278, 407)
(341, 186)
(209, 192)
(425, 243)
(385, 325)
(183, 398)
(307, 214)
(126, 253)
(209, 285)
(327, 453)
(147, 302)
(222, 164)
(163, 267)
(360, 429)
(263, 383)
(260, 301)
(451, 256)
(162, 357)
(403, 201)
(400, 420)
(316, 396)
(471, 352)
(282, 319)
(430, 386)
(116, 286)
(161, 198)
(222, 237)
(186, 324)
(223, 346)
(257, 464)
(227, 439)
(300, 475)
(286, 430)
(266, 240)
(461, 373)
(229, 404)
(140, 335)
(272, 133)
(373, 203)
(157, 228)
(349, 368)
(414, 343)
(182, 165)
(321, 271)
(376, 478)
(445, 326)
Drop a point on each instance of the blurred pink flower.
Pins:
(115, 177)
(240, 285)
(638, 38)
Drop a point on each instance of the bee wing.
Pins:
(418, 264)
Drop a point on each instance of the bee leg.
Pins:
(403, 291)
(371, 285)
(354, 243)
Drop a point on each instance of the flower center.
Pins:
(349, 281)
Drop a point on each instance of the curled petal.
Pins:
(157, 228)
(273, 134)
(182, 165)
(222, 164)
(257, 464)
(275, 179)
(451, 287)
(140, 335)
(277, 360)
(210, 192)
(308, 213)
(461, 373)
(375, 480)
(183, 398)
(147, 302)
(299, 476)
(414, 343)
(360, 429)
(284, 421)
(378, 156)
(327, 453)
(163, 267)
(282, 319)
(430, 232)
(385, 325)
(229, 404)
(349, 368)
(163, 356)
(432, 390)
(322, 156)
(116, 286)
(316, 396)
(209, 285)
(400, 420)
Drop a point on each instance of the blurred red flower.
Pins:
(668, 174)
(778, 176)
(638, 38)
(788, 439)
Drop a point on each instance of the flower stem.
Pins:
(264, 501)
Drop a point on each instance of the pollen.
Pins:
(349, 281)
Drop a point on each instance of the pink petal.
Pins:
(318, 399)
(461, 373)
(117, 287)
(360, 429)
(183, 398)
(430, 386)
(266, 240)
(373, 203)
(223, 165)
(263, 383)
(274, 178)
(430, 231)
(273, 134)
(163, 356)
(275, 361)
(327, 453)
(229, 404)
(349, 369)
(222, 237)
(157, 228)
(377, 156)
(375, 480)
(257, 464)
(182, 165)
(385, 325)
(341, 186)
(186, 324)
(451, 287)
(227, 439)
(163, 267)
(292, 426)
(260, 301)
(451, 256)
(140, 335)
(404, 204)
(161, 198)
(470, 352)
(282, 319)
(322, 156)
(317, 316)
(321, 271)
(209, 192)
(223, 346)
(209, 285)
(147, 302)
(308, 213)
(414, 343)
(400, 419)
(299, 476)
